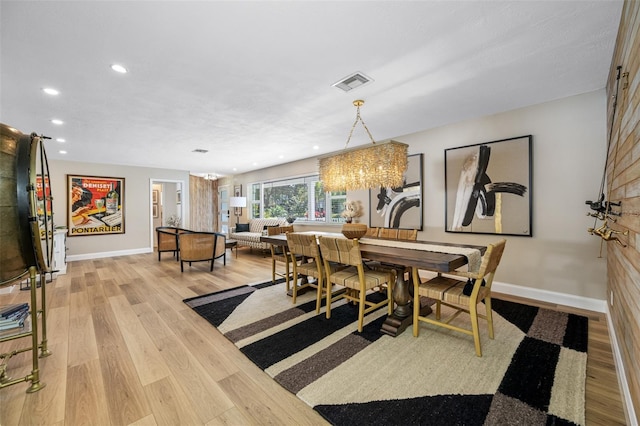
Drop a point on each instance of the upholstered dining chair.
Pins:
(280, 254)
(461, 295)
(307, 261)
(355, 278)
(201, 247)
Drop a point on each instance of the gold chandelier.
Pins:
(370, 167)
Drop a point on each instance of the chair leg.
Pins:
(273, 271)
(328, 314)
(473, 311)
(363, 296)
(211, 269)
(287, 277)
(319, 294)
(416, 312)
(181, 266)
(489, 314)
(294, 290)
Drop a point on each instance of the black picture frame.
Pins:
(489, 187)
(400, 208)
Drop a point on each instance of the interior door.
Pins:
(223, 208)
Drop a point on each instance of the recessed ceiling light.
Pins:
(316, 147)
(61, 140)
(235, 169)
(281, 156)
(119, 68)
(62, 152)
(56, 121)
(50, 91)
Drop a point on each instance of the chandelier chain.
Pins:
(358, 118)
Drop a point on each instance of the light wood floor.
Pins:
(127, 350)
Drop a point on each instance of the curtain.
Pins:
(203, 204)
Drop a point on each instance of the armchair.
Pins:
(201, 247)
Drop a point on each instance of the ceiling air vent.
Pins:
(200, 151)
(351, 82)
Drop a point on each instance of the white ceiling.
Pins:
(252, 81)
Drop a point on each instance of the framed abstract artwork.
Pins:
(488, 187)
(399, 207)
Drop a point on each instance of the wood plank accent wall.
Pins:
(203, 204)
(623, 184)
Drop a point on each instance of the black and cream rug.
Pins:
(532, 373)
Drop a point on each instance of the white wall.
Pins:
(569, 141)
(137, 208)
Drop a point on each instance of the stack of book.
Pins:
(13, 316)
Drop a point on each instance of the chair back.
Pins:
(276, 230)
(398, 234)
(303, 244)
(341, 250)
(372, 233)
(168, 237)
(196, 245)
(491, 258)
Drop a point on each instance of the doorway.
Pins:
(167, 202)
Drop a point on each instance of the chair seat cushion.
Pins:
(348, 277)
(449, 290)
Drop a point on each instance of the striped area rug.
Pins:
(532, 373)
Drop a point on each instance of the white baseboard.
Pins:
(580, 302)
(88, 256)
(629, 411)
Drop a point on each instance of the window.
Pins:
(300, 199)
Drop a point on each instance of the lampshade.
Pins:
(368, 167)
(237, 201)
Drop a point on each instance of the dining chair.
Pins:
(280, 254)
(372, 233)
(354, 277)
(307, 261)
(393, 234)
(461, 295)
(398, 234)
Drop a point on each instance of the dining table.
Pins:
(400, 254)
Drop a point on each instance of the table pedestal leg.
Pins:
(402, 316)
(302, 287)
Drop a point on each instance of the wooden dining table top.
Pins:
(402, 256)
